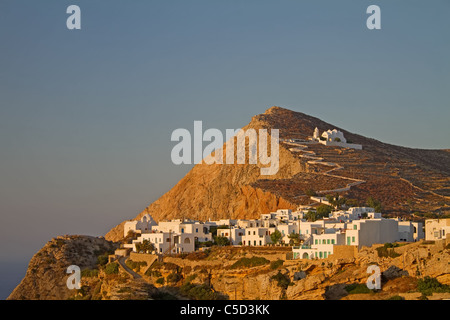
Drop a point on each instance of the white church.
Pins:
(334, 138)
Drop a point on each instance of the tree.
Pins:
(336, 201)
(276, 236)
(294, 239)
(221, 241)
(373, 203)
(323, 211)
(146, 246)
(311, 216)
(310, 193)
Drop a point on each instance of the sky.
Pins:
(86, 115)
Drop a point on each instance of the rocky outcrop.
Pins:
(46, 275)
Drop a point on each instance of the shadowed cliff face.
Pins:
(403, 179)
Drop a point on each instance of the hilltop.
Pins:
(404, 180)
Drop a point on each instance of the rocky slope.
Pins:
(324, 279)
(46, 275)
(403, 179)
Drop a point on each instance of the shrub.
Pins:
(160, 280)
(173, 277)
(249, 262)
(221, 241)
(200, 292)
(112, 268)
(135, 265)
(276, 264)
(89, 273)
(102, 259)
(357, 288)
(282, 280)
(428, 285)
(388, 250)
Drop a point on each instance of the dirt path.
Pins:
(319, 160)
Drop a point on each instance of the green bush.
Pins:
(276, 264)
(102, 259)
(89, 273)
(199, 292)
(388, 250)
(160, 280)
(112, 268)
(282, 280)
(428, 285)
(173, 277)
(357, 288)
(135, 265)
(221, 241)
(249, 262)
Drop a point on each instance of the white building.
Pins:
(320, 246)
(199, 230)
(334, 138)
(257, 236)
(235, 234)
(145, 224)
(168, 242)
(367, 232)
(437, 229)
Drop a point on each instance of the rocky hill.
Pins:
(405, 180)
(46, 275)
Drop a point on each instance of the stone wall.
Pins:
(343, 252)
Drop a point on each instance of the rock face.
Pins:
(46, 275)
(403, 179)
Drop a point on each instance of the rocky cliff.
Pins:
(46, 275)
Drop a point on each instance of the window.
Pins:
(320, 254)
(254, 232)
(315, 241)
(332, 241)
(249, 233)
(254, 242)
(328, 241)
(260, 243)
(353, 239)
(355, 227)
(325, 254)
(182, 230)
(196, 230)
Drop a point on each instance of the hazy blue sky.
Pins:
(86, 115)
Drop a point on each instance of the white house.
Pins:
(199, 230)
(145, 224)
(168, 242)
(235, 234)
(257, 236)
(367, 232)
(436, 229)
(320, 245)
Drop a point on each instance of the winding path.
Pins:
(319, 160)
